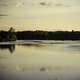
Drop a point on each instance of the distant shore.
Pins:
(39, 35)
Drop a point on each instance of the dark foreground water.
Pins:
(40, 60)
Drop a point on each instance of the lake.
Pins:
(40, 60)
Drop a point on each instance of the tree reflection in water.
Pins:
(10, 47)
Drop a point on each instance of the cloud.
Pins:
(58, 4)
(7, 3)
(2, 15)
(3, 4)
(43, 3)
(61, 5)
(55, 4)
(19, 4)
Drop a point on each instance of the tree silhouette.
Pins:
(11, 34)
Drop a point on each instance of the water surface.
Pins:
(40, 60)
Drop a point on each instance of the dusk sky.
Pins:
(40, 14)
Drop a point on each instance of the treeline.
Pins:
(11, 35)
(48, 35)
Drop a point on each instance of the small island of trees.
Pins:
(9, 35)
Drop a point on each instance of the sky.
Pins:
(47, 15)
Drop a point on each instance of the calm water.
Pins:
(40, 60)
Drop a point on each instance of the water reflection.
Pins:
(74, 47)
(40, 61)
(10, 47)
(40, 44)
(31, 45)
